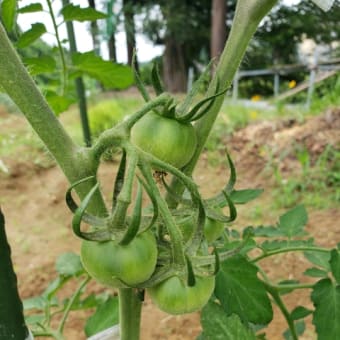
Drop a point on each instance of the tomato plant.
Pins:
(174, 296)
(123, 242)
(169, 140)
(132, 263)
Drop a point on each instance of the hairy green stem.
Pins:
(248, 15)
(173, 230)
(293, 286)
(124, 197)
(130, 307)
(75, 161)
(287, 250)
(70, 304)
(60, 47)
(277, 298)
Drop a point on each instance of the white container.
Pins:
(111, 333)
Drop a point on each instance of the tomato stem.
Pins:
(247, 17)
(277, 298)
(71, 302)
(124, 197)
(130, 307)
(289, 249)
(173, 230)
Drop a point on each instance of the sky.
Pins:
(145, 50)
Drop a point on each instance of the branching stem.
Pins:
(287, 250)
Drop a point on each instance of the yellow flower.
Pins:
(255, 98)
(253, 114)
(292, 84)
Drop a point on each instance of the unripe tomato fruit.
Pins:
(108, 261)
(167, 139)
(212, 229)
(173, 296)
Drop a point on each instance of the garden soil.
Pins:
(38, 221)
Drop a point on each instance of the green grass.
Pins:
(317, 185)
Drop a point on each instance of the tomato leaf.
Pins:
(315, 272)
(43, 64)
(241, 292)
(218, 325)
(106, 315)
(300, 312)
(31, 8)
(58, 103)
(37, 302)
(318, 258)
(28, 37)
(245, 196)
(280, 244)
(110, 74)
(267, 231)
(8, 13)
(326, 299)
(293, 221)
(71, 12)
(335, 265)
(299, 327)
(68, 264)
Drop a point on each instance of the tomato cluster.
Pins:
(170, 142)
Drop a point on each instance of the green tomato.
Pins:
(108, 261)
(174, 296)
(212, 229)
(167, 139)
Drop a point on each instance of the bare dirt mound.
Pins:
(259, 142)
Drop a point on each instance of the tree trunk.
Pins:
(94, 30)
(111, 23)
(112, 48)
(174, 69)
(130, 31)
(218, 28)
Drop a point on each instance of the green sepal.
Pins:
(184, 107)
(135, 220)
(232, 208)
(232, 177)
(72, 205)
(220, 198)
(154, 204)
(198, 233)
(177, 198)
(156, 81)
(191, 276)
(215, 215)
(98, 235)
(119, 181)
(169, 110)
(195, 113)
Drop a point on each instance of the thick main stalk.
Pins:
(248, 15)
